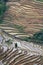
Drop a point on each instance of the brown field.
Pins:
(28, 14)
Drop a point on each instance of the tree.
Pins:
(38, 36)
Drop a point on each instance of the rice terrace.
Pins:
(21, 32)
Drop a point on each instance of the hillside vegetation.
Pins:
(40, 0)
(2, 10)
(37, 37)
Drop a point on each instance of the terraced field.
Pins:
(18, 56)
(22, 19)
(26, 54)
(28, 17)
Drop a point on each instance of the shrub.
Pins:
(38, 36)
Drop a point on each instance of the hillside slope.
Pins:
(29, 16)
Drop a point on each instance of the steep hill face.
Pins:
(29, 16)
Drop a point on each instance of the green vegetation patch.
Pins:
(40, 0)
(2, 10)
(19, 28)
(28, 39)
(36, 38)
(9, 42)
